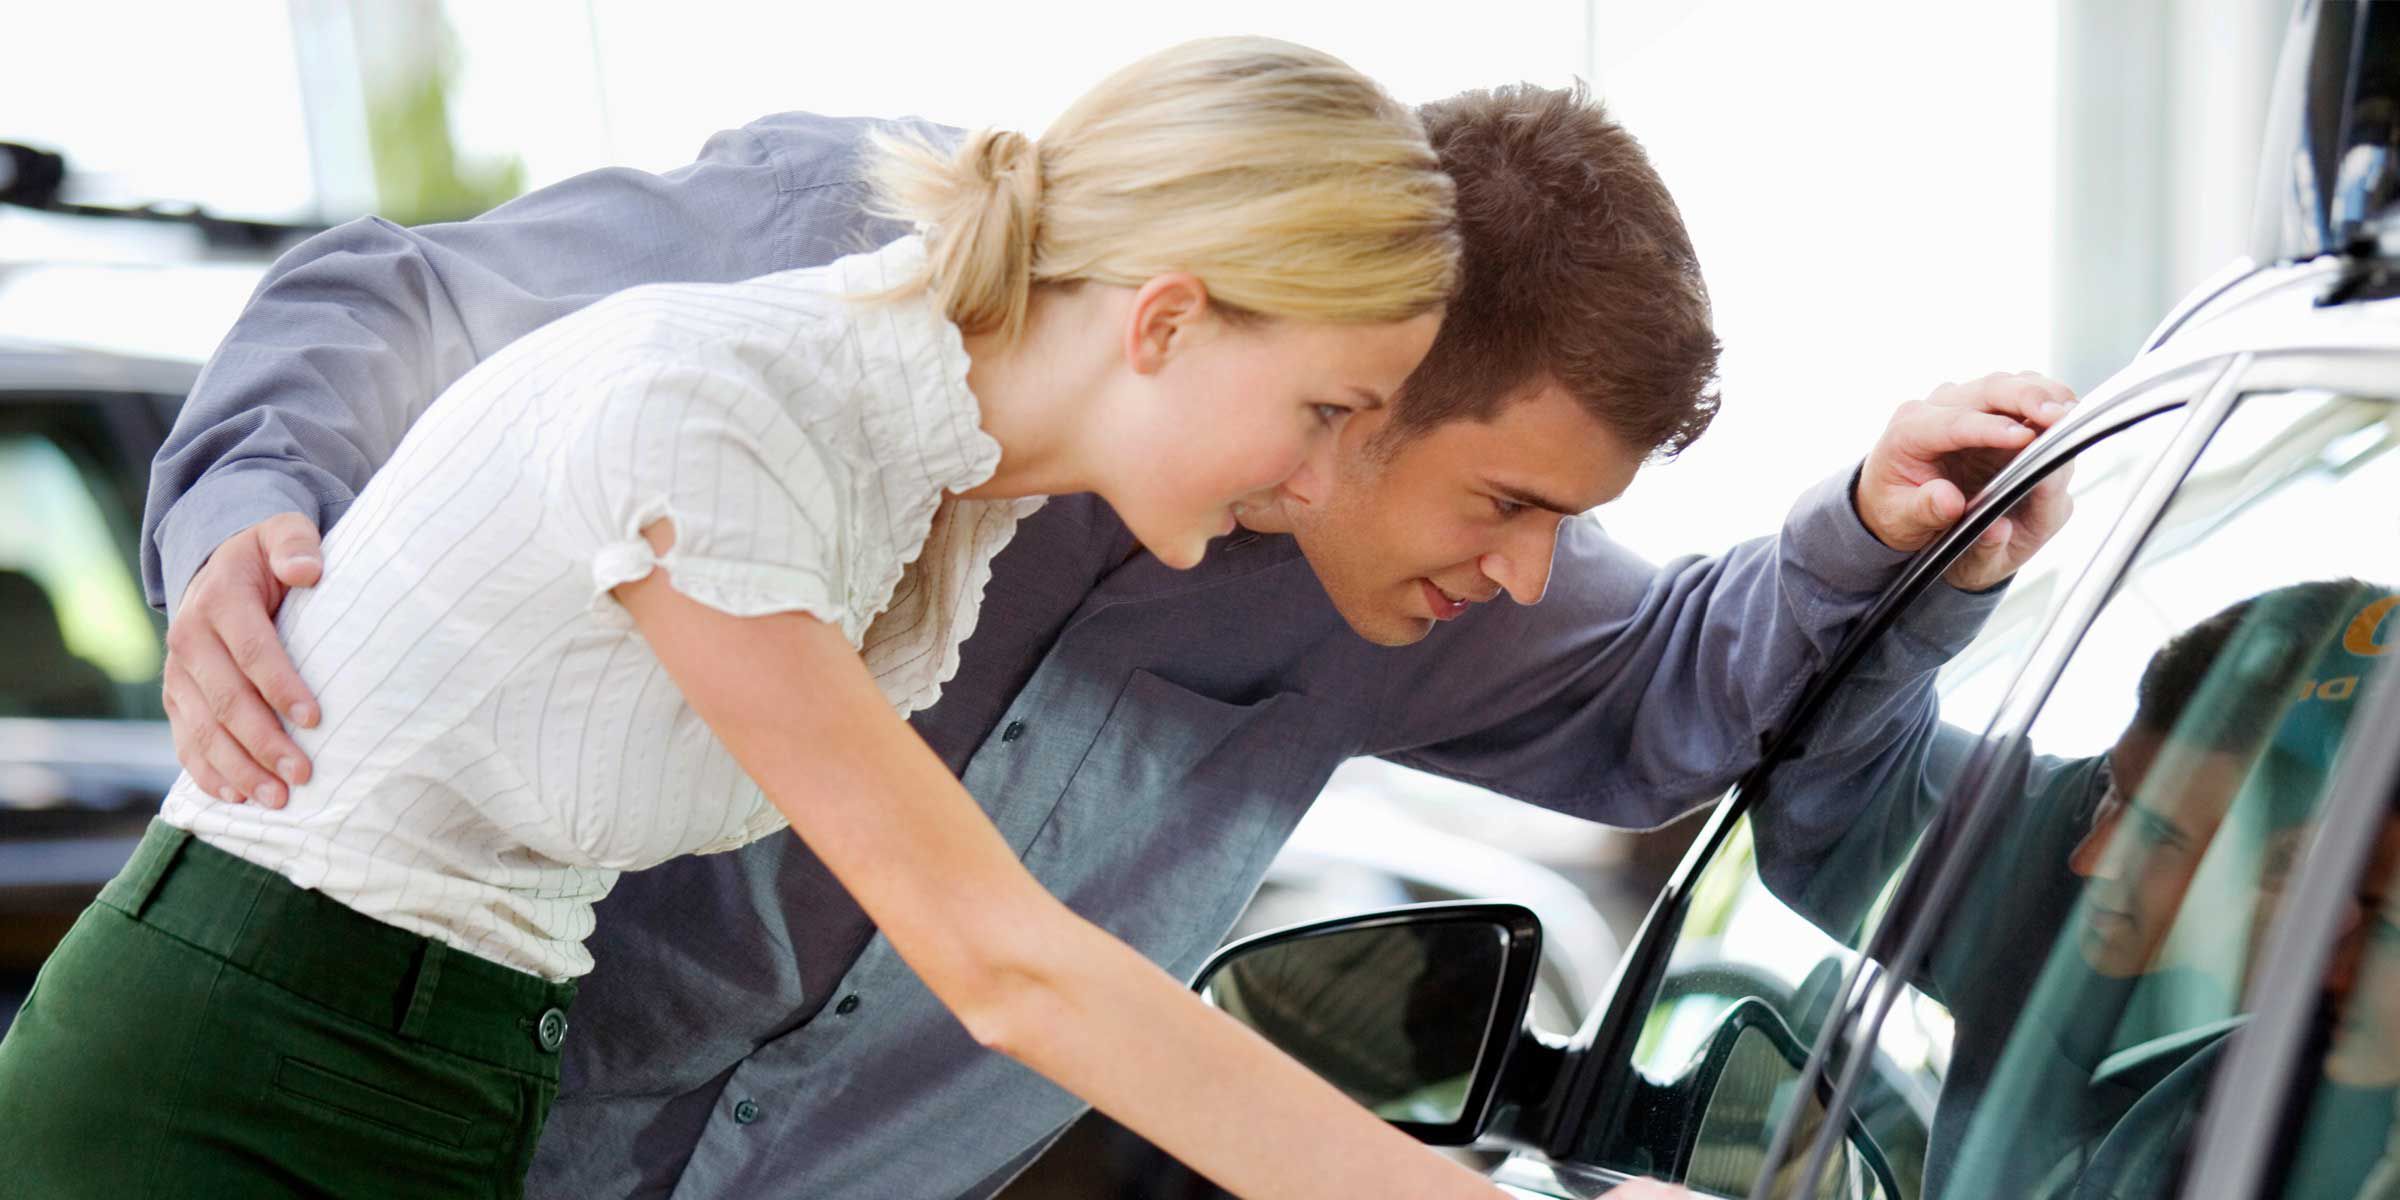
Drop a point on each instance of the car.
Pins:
(84, 748)
(2111, 907)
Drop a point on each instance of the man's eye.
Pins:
(1330, 414)
(1506, 508)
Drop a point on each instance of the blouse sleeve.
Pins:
(761, 505)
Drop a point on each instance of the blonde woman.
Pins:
(663, 578)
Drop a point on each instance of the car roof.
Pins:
(42, 366)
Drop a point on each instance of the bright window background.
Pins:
(1869, 186)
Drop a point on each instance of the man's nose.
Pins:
(2097, 856)
(1311, 483)
(1521, 564)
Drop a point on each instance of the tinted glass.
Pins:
(79, 640)
(1777, 912)
(2141, 829)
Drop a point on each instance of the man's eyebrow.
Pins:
(1531, 498)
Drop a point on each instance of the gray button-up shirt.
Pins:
(1145, 737)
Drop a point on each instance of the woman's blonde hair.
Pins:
(1292, 185)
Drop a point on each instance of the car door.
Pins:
(1973, 908)
(1747, 927)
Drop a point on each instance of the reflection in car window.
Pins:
(2348, 1140)
(1756, 925)
(81, 642)
(2094, 962)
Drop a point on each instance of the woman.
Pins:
(664, 577)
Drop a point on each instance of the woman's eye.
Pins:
(1330, 414)
(1506, 508)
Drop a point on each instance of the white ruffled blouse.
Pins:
(499, 742)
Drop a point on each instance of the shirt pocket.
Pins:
(1168, 823)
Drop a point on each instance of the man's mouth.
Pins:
(1445, 606)
(2109, 921)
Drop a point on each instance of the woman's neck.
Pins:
(1036, 395)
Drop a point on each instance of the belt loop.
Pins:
(420, 994)
(168, 847)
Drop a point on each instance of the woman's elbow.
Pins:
(1011, 991)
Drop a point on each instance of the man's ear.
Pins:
(1167, 314)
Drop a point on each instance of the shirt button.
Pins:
(848, 1005)
(745, 1112)
(1015, 730)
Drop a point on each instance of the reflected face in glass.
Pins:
(2363, 981)
(2163, 806)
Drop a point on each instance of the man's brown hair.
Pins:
(1577, 269)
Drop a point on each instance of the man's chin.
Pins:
(1386, 628)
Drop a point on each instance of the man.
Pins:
(1145, 737)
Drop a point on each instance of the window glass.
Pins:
(2346, 1143)
(1773, 918)
(2095, 959)
(80, 641)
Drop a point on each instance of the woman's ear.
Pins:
(1168, 314)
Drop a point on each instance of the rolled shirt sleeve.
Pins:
(762, 511)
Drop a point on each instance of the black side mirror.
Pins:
(1413, 1012)
(1739, 1089)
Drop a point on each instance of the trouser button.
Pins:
(551, 1031)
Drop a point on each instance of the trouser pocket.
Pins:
(308, 1083)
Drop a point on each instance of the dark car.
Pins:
(84, 751)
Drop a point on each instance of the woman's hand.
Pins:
(1026, 976)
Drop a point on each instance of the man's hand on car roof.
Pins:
(1936, 454)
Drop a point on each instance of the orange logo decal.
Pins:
(2359, 639)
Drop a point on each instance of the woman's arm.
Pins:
(1024, 974)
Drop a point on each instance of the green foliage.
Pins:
(419, 175)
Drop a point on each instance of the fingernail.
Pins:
(290, 770)
(2054, 410)
(306, 714)
(229, 796)
(270, 795)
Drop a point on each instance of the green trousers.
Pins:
(208, 1029)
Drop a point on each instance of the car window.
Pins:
(2092, 961)
(1760, 929)
(2343, 1140)
(80, 641)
